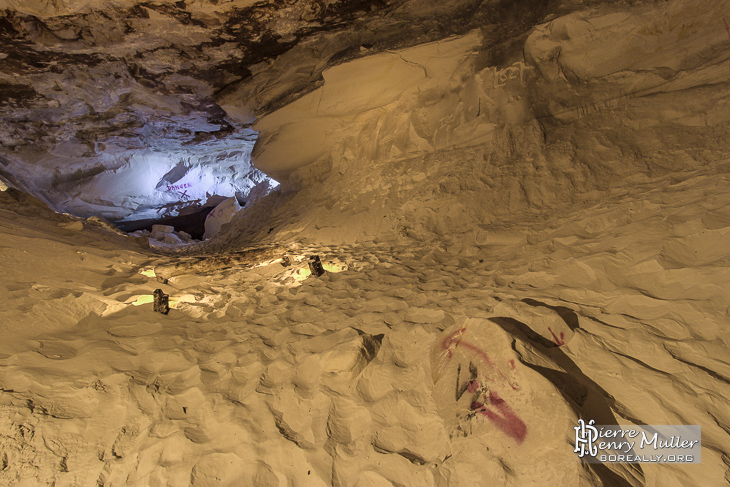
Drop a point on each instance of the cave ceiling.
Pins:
(82, 81)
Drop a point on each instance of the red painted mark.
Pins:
(506, 419)
(455, 339)
(512, 363)
(558, 341)
(727, 28)
(473, 386)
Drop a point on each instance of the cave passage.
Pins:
(361, 244)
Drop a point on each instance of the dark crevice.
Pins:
(710, 372)
(370, 346)
(568, 315)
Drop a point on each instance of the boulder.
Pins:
(221, 214)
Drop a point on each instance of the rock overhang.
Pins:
(88, 87)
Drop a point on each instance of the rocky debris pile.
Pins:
(164, 234)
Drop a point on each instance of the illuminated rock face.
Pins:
(437, 140)
(423, 118)
(100, 100)
(381, 107)
(147, 185)
(108, 107)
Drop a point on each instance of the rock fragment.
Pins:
(162, 302)
(315, 265)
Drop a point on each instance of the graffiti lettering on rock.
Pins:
(178, 187)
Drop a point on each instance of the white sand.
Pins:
(257, 378)
(561, 252)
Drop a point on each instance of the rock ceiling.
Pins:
(85, 86)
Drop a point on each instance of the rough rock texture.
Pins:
(436, 139)
(100, 100)
(523, 209)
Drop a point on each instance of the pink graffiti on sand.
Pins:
(505, 419)
(456, 340)
(558, 341)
